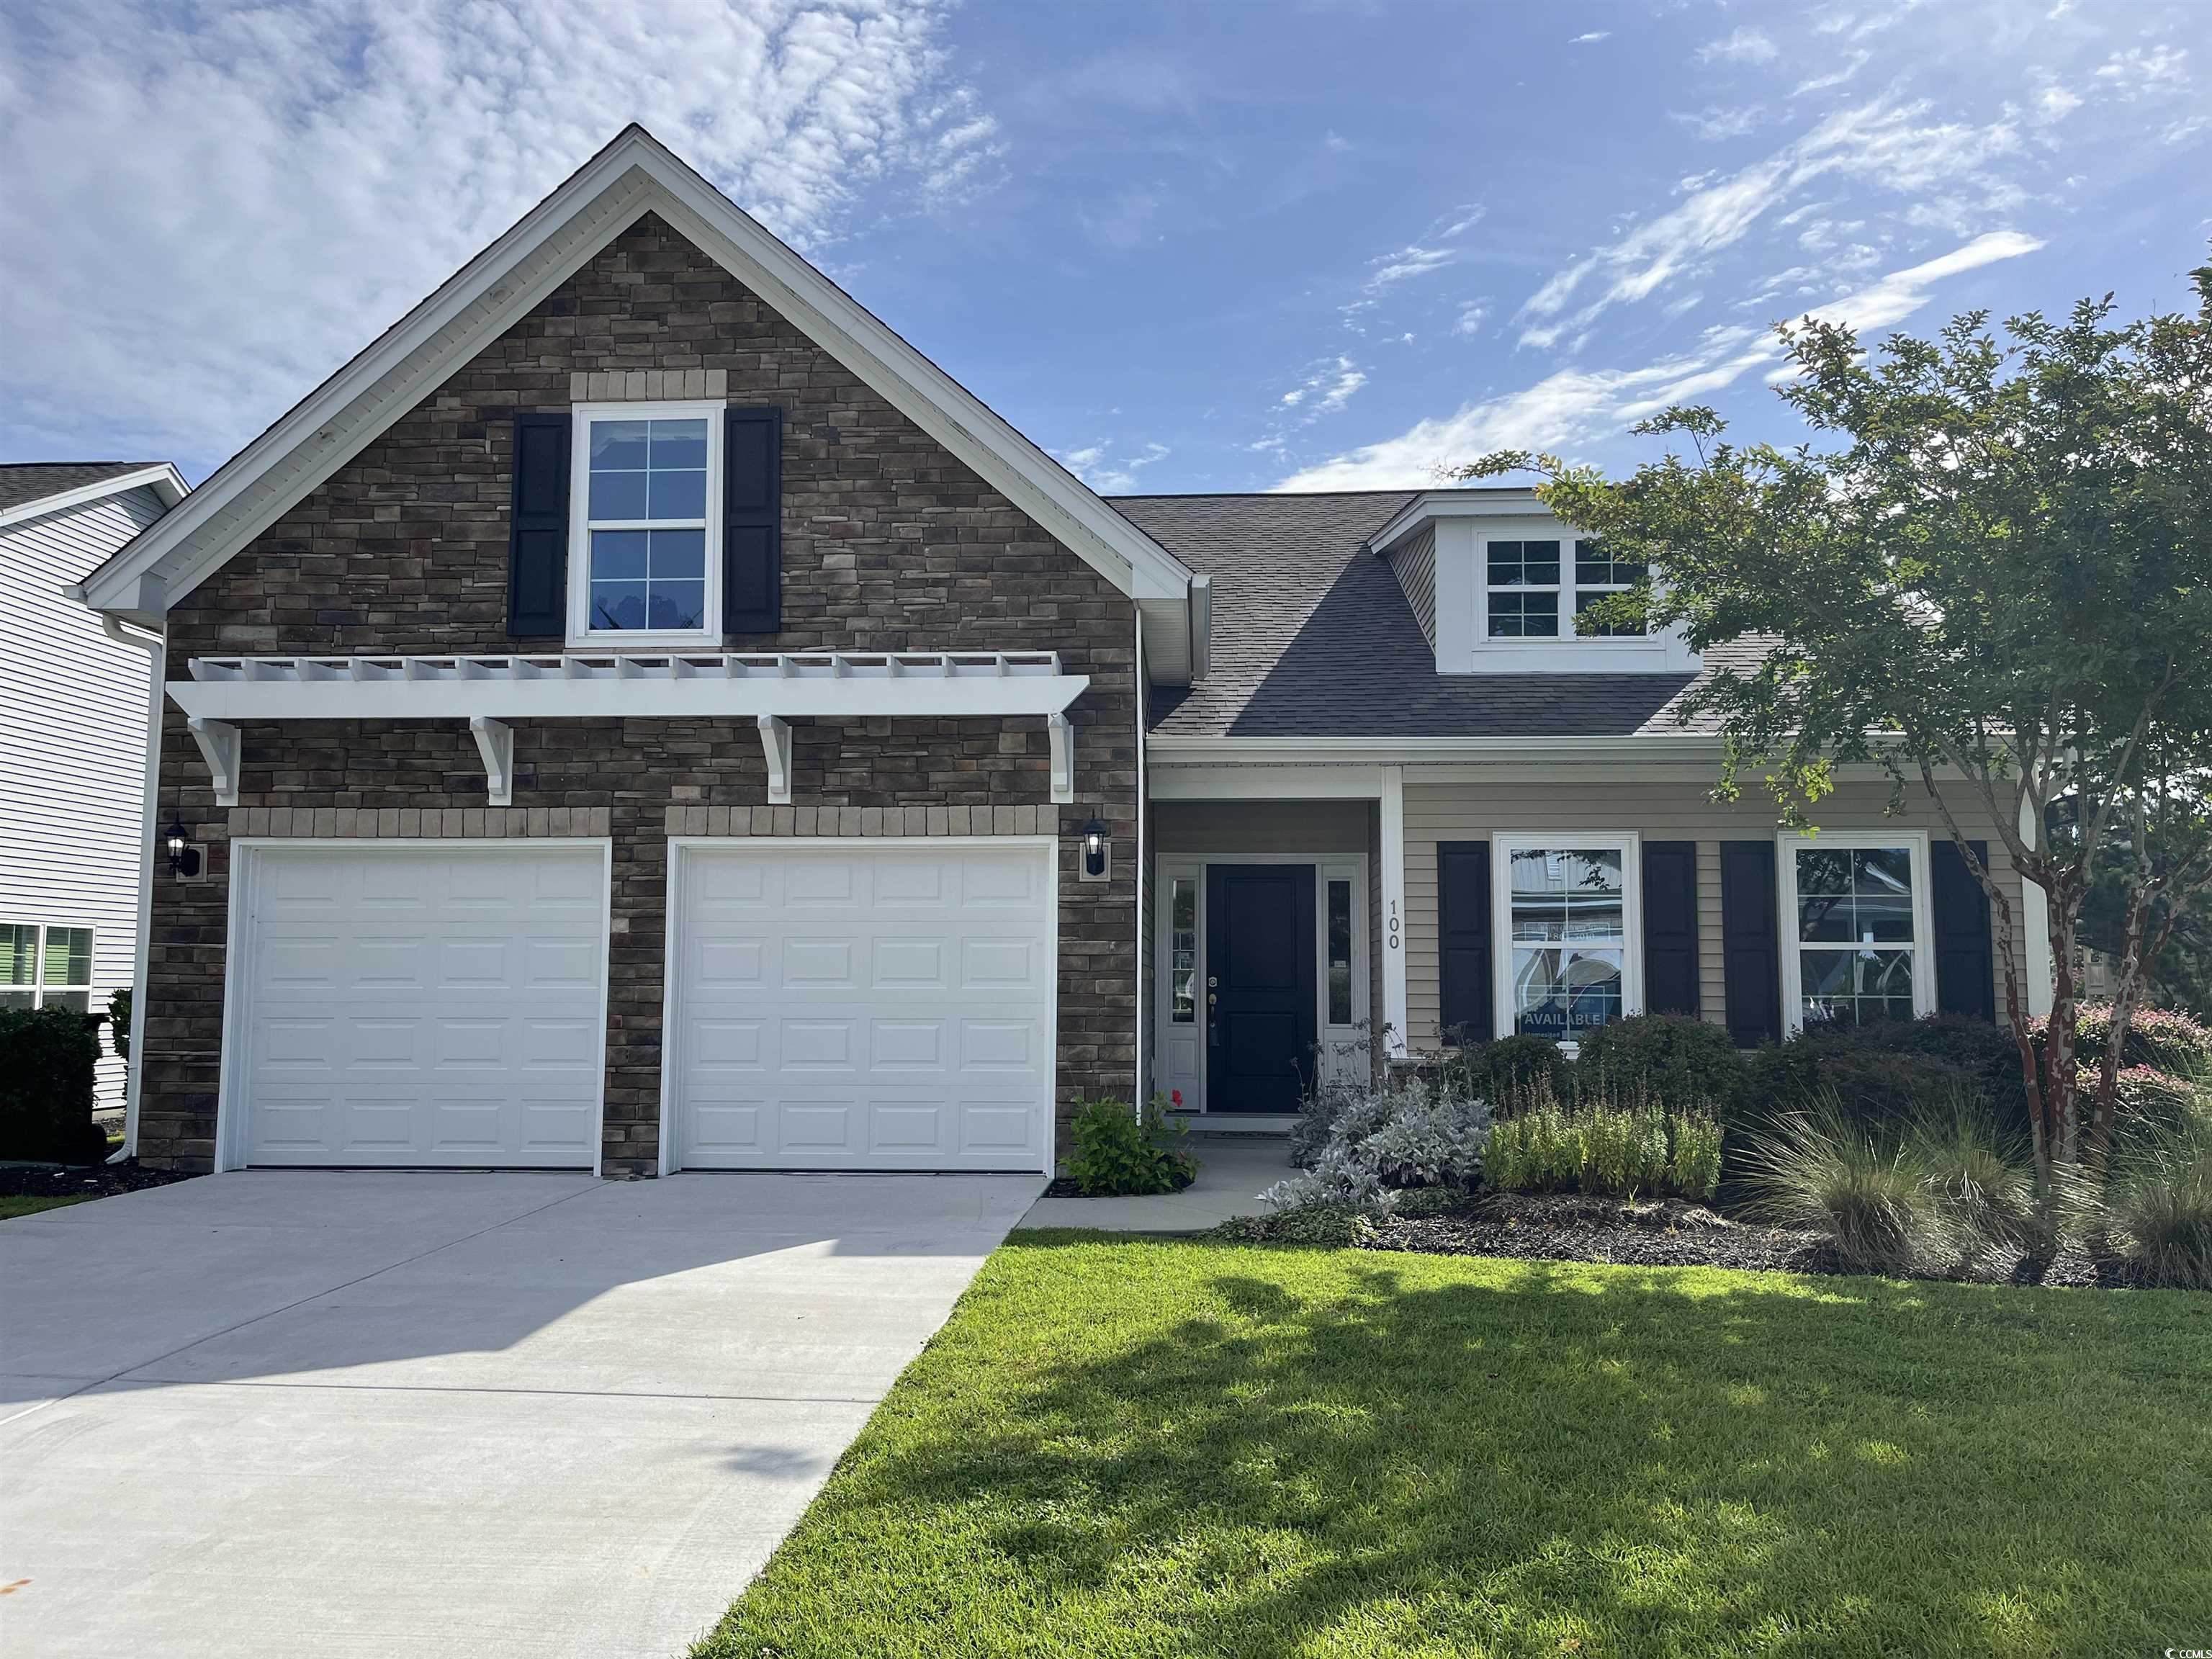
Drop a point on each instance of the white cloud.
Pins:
(1716, 126)
(199, 227)
(1834, 78)
(1471, 316)
(1943, 167)
(1591, 38)
(2136, 72)
(1410, 261)
(1744, 45)
(1573, 406)
(1096, 466)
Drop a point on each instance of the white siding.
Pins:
(72, 743)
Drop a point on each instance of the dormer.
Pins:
(1496, 581)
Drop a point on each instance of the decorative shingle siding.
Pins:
(889, 544)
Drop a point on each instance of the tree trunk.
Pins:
(2059, 1083)
(2134, 971)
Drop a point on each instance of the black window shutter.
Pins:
(538, 531)
(752, 522)
(1965, 966)
(1751, 942)
(1670, 926)
(1463, 988)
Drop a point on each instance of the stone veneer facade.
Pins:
(890, 544)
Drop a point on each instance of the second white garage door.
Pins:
(861, 1005)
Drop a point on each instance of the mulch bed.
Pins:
(92, 1180)
(1572, 1227)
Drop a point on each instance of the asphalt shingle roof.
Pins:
(1313, 636)
(34, 481)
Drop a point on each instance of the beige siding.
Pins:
(1414, 564)
(1226, 828)
(1667, 811)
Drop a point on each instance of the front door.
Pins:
(1260, 985)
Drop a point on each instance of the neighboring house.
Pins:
(641, 715)
(74, 732)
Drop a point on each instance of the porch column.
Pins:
(1394, 907)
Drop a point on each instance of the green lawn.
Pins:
(1137, 1447)
(12, 1208)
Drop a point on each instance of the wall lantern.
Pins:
(1097, 852)
(187, 862)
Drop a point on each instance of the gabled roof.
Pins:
(31, 489)
(633, 175)
(1313, 637)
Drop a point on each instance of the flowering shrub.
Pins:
(2156, 1036)
(1361, 1146)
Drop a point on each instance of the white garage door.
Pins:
(863, 1006)
(422, 1004)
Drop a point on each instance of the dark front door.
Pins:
(1260, 985)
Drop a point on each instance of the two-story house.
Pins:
(641, 714)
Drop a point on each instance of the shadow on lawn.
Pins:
(1640, 1462)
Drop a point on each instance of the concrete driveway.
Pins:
(401, 1415)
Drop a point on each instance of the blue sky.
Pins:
(1216, 247)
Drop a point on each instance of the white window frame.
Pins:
(581, 525)
(1569, 591)
(38, 986)
(1629, 843)
(1922, 943)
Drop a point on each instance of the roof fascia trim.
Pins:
(224, 504)
(161, 477)
(1457, 504)
(633, 174)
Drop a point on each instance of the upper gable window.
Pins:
(1534, 587)
(645, 563)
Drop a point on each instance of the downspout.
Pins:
(157, 648)
(1139, 1081)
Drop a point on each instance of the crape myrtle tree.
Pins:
(1988, 573)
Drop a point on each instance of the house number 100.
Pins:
(1394, 924)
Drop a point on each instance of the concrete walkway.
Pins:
(1232, 1171)
(406, 1415)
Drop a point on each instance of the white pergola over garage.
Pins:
(771, 689)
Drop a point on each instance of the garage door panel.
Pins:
(913, 1030)
(424, 1006)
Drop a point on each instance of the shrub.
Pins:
(119, 1022)
(1889, 1072)
(2164, 1037)
(1122, 1154)
(1407, 1132)
(2157, 1206)
(1670, 1060)
(1978, 1176)
(46, 1060)
(1331, 1226)
(1509, 1067)
(1822, 1170)
(2146, 1094)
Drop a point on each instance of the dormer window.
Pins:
(1500, 585)
(1598, 574)
(1535, 585)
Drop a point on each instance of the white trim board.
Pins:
(162, 478)
(246, 854)
(633, 175)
